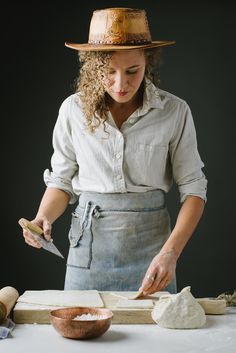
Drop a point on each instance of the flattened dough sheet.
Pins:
(132, 295)
(64, 298)
(135, 304)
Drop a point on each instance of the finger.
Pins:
(33, 243)
(29, 239)
(28, 235)
(47, 228)
(157, 284)
(147, 281)
(162, 284)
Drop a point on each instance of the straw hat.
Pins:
(118, 29)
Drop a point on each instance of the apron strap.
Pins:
(90, 210)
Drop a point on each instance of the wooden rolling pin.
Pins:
(212, 306)
(8, 298)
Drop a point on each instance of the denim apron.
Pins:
(113, 239)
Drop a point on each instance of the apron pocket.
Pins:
(80, 253)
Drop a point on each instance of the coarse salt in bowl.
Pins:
(81, 323)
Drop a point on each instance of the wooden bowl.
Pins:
(64, 322)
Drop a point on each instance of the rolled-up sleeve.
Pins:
(185, 159)
(63, 161)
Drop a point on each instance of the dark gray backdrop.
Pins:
(38, 74)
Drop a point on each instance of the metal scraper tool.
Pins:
(38, 235)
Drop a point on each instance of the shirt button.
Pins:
(131, 121)
(119, 176)
(118, 155)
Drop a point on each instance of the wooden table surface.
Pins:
(217, 336)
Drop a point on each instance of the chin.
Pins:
(124, 99)
(121, 100)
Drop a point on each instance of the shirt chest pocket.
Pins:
(149, 162)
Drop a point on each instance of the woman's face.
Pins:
(125, 74)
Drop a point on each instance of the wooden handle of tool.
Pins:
(25, 224)
(212, 306)
(8, 298)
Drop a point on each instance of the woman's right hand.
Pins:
(43, 223)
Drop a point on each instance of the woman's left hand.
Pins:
(160, 272)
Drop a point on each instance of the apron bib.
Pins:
(113, 239)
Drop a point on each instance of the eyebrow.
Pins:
(132, 67)
(128, 68)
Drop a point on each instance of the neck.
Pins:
(122, 111)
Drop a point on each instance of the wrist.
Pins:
(42, 216)
(171, 252)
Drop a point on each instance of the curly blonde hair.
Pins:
(90, 82)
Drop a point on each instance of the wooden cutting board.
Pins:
(25, 313)
(33, 313)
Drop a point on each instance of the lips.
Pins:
(121, 93)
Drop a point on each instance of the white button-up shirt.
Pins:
(155, 146)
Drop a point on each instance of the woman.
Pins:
(119, 142)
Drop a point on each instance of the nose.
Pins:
(120, 82)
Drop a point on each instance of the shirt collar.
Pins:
(151, 97)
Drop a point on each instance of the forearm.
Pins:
(187, 220)
(53, 204)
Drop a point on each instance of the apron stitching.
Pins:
(133, 210)
(96, 210)
(90, 249)
(75, 266)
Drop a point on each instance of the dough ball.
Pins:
(180, 310)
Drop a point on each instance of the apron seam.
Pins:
(134, 210)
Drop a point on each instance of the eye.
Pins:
(111, 72)
(132, 72)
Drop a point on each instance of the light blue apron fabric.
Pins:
(113, 238)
